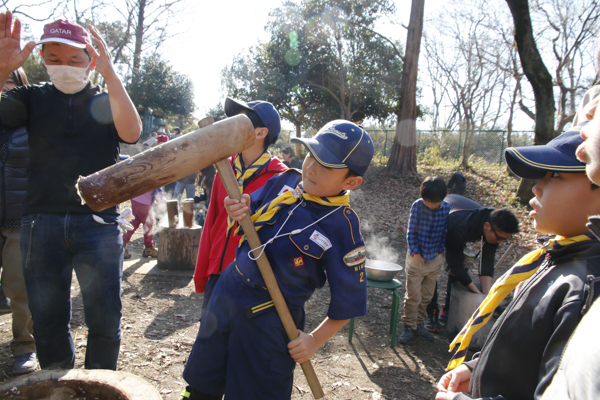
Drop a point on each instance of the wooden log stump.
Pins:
(79, 385)
(178, 248)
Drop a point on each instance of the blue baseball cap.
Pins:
(341, 144)
(558, 155)
(265, 111)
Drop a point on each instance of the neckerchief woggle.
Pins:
(522, 270)
(266, 213)
(242, 175)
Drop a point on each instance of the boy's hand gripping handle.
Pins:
(233, 190)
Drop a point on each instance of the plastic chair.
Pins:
(392, 285)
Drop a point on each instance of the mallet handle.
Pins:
(233, 190)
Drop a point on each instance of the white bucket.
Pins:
(463, 304)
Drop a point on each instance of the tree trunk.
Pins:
(403, 157)
(540, 79)
(466, 150)
(139, 40)
(178, 248)
(299, 146)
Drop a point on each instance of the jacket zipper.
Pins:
(70, 114)
(3, 177)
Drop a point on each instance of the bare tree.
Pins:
(148, 21)
(571, 28)
(41, 11)
(464, 59)
(403, 157)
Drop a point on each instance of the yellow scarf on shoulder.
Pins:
(522, 270)
(266, 213)
(242, 175)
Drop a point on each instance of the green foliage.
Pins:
(217, 112)
(322, 62)
(160, 87)
(35, 69)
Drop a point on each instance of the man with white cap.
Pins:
(75, 128)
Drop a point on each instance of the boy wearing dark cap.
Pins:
(522, 353)
(75, 129)
(253, 167)
(310, 235)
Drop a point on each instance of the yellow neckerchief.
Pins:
(242, 175)
(523, 269)
(264, 214)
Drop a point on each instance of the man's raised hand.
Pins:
(11, 55)
(102, 57)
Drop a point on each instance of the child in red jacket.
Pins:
(253, 167)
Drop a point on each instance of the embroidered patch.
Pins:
(298, 262)
(284, 189)
(334, 131)
(321, 240)
(359, 267)
(356, 256)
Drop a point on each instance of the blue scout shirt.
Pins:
(331, 249)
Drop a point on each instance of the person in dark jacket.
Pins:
(14, 163)
(289, 158)
(457, 183)
(75, 129)
(468, 222)
(577, 375)
(522, 353)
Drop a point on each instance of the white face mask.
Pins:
(68, 79)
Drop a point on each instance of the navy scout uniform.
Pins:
(241, 348)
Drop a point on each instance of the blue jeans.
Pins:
(52, 246)
(190, 190)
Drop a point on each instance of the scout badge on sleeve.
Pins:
(356, 256)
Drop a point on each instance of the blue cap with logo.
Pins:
(265, 111)
(558, 155)
(341, 144)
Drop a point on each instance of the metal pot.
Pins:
(381, 271)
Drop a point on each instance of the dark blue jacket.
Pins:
(14, 163)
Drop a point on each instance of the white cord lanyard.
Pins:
(294, 232)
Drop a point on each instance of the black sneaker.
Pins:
(406, 335)
(443, 318)
(432, 324)
(4, 302)
(422, 332)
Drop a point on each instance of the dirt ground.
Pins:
(161, 312)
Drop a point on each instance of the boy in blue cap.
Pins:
(253, 167)
(522, 353)
(310, 234)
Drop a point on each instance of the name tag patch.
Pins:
(356, 256)
(298, 262)
(321, 240)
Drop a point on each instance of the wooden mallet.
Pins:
(166, 163)
(233, 190)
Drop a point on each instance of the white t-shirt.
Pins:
(151, 142)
